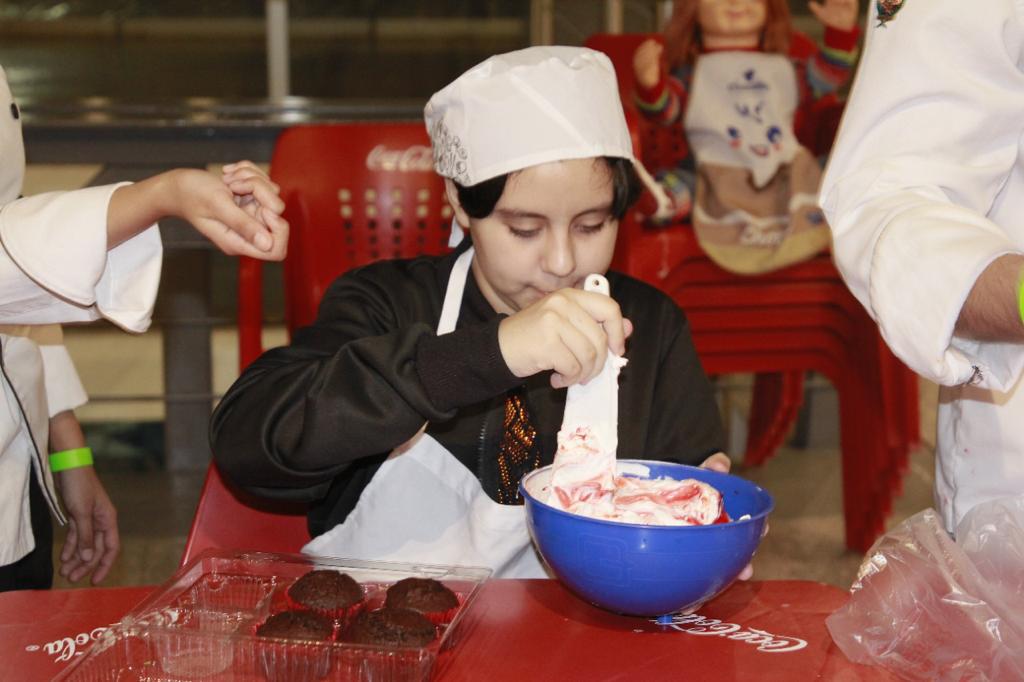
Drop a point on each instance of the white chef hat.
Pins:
(12, 150)
(525, 108)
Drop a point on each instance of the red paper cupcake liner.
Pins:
(442, 617)
(286, 660)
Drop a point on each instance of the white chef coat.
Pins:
(64, 389)
(924, 190)
(54, 267)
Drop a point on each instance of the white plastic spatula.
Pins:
(596, 403)
(582, 478)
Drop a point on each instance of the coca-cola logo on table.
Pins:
(415, 159)
(66, 648)
(695, 624)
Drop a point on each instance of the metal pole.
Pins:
(278, 84)
(542, 22)
(613, 16)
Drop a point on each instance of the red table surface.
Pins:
(523, 629)
(41, 631)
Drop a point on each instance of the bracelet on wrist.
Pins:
(70, 459)
(1020, 299)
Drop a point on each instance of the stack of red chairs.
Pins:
(780, 326)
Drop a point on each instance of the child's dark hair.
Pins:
(480, 199)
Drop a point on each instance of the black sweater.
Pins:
(314, 420)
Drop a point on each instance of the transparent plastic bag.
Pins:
(927, 607)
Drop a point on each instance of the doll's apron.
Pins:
(755, 205)
(423, 505)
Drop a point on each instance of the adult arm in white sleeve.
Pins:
(75, 256)
(916, 190)
(55, 265)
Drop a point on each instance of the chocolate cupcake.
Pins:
(424, 595)
(298, 660)
(331, 593)
(304, 625)
(392, 627)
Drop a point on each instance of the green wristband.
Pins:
(71, 459)
(1020, 299)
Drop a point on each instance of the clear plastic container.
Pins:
(201, 625)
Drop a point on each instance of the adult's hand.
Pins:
(240, 213)
(93, 541)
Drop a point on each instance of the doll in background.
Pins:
(736, 76)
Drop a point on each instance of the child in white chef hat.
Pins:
(478, 346)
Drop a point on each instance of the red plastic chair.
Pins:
(227, 518)
(878, 401)
(866, 496)
(809, 283)
(354, 193)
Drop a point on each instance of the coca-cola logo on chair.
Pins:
(415, 159)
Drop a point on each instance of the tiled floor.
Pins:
(805, 541)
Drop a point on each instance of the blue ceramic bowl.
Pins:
(648, 570)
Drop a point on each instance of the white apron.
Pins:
(741, 112)
(423, 505)
(755, 201)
